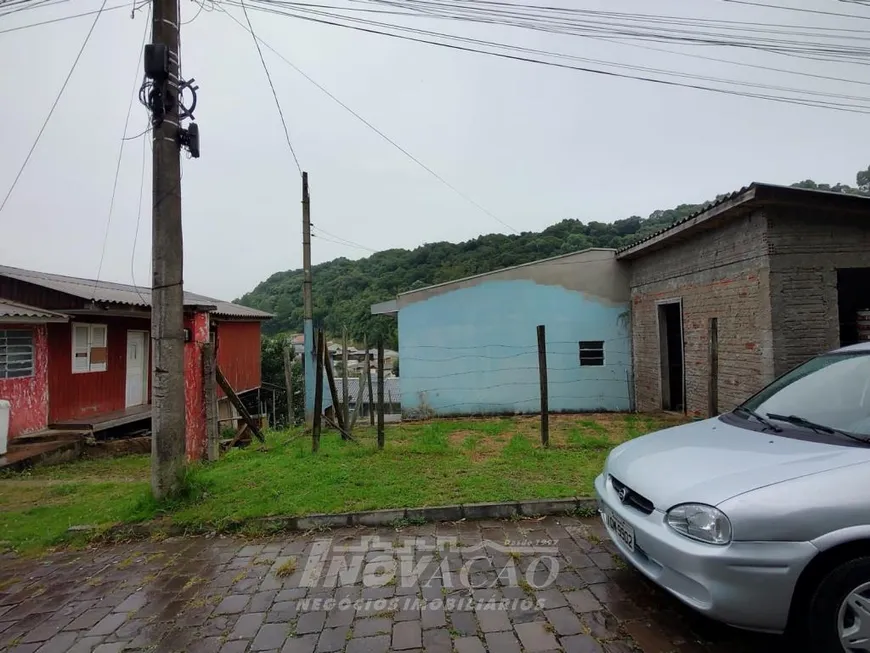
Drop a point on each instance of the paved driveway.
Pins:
(549, 584)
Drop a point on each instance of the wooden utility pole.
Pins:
(318, 391)
(167, 256)
(310, 361)
(368, 365)
(288, 383)
(380, 394)
(345, 394)
(545, 398)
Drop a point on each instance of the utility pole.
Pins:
(167, 255)
(310, 361)
(288, 384)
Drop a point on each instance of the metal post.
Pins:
(545, 399)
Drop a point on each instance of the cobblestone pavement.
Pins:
(389, 590)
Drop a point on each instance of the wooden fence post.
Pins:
(237, 403)
(368, 364)
(380, 394)
(288, 384)
(545, 399)
(345, 391)
(333, 391)
(318, 392)
(209, 363)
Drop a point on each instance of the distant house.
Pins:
(75, 353)
(392, 397)
(747, 288)
(470, 346)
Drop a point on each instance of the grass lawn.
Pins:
(423, 464)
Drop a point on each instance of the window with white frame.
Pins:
(90, 351)
(16, 353)
(592, 352)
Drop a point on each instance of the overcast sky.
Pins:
(532, 144)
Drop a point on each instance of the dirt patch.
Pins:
(478, 446)
(120, 447)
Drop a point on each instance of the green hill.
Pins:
(344, 290)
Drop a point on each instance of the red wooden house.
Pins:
(75, 353)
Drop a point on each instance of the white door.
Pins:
(137, 368)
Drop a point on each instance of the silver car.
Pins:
(759, 518)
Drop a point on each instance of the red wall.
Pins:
(29, 395)
(72, 396)
(194, 388)
(238, 347)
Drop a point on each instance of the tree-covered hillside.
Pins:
(344, 290)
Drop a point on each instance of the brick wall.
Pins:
(718, 273)
(805, 249)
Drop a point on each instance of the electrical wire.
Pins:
(798, 9)
(272, 86)
(585, 22)
(133, 95)
(71, 17)
(378, 131)
(812, 102)
(138, 220)
(53, 107)
(341, 238)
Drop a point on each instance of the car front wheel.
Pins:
(839, 614)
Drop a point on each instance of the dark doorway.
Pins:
(853, 295)
(671, 343)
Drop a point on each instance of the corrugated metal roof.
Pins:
(769, 191)
(14, 309)
(120, 293)
(703, 209)
(391, 389)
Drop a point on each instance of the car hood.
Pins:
(711, 461)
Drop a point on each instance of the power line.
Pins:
(272, 86)
(53, 107)
(133, 95)
(139, 220)
(341, 238)
(840, 106)
(71, 17)
(379, 132)
(798, 9)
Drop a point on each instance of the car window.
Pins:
(833, 390)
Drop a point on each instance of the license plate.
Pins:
(619, 526)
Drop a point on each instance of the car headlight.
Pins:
(700, 522)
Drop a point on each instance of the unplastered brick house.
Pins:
(75, 353)
(753, 285)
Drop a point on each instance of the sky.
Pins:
(525, 145)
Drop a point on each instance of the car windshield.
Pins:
(831, 390)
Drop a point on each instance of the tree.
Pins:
(272, 371)
(344, 290)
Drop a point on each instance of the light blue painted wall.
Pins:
(474, 350)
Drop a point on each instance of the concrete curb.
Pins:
(398, 517)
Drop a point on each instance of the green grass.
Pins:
(423, 464)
